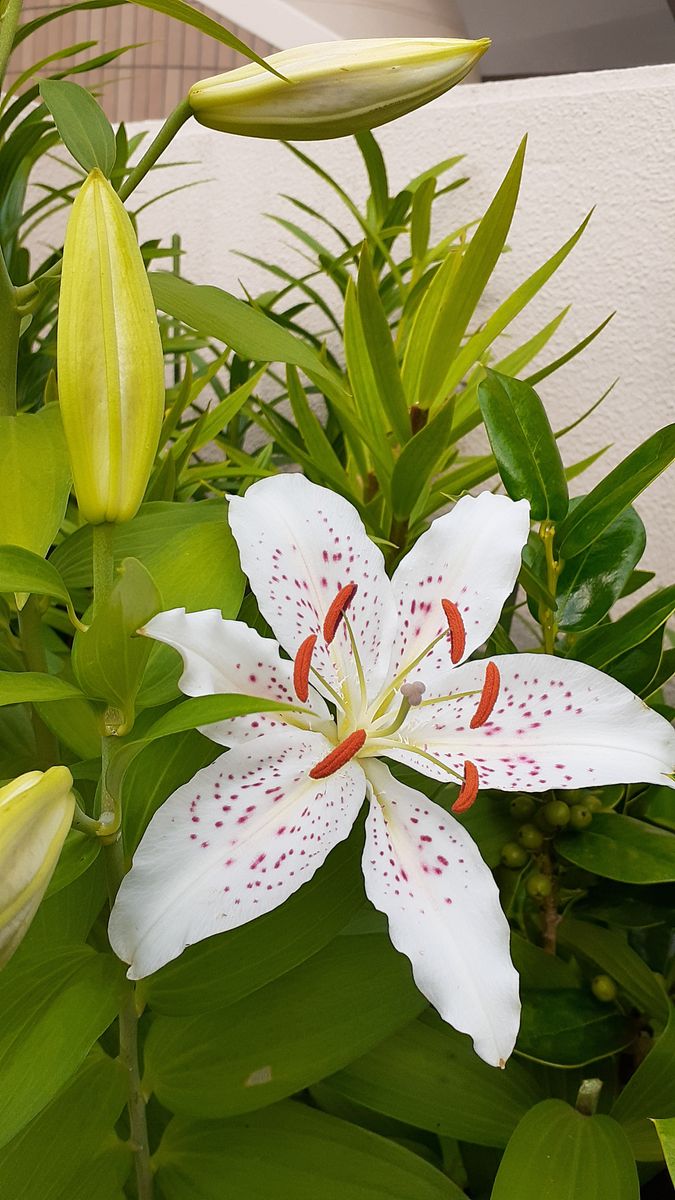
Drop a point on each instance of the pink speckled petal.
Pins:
(232, 844)
(299, 545)
(470, 556)
(227, 656)
(556, 724)
(422, 869)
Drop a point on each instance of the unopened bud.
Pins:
(110, 363)
(36, 811)
(333, 89)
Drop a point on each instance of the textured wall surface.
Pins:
(604, 139)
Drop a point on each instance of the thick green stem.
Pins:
(32, 646)
(115, 866)
(10, 12)
(167, 133)
(10, 329)
(553, 568)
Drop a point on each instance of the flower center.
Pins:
(340, 755)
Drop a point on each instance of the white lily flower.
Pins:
(250, 829)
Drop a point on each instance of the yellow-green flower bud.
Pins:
(333, 88)
(36, 811)
(110, 364)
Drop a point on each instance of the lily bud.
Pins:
(110, 363)
(333, 88)
(36, 811)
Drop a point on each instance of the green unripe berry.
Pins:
(593, 803)
(530, 837)
(557, 814)
(522, 807)
(513, 856)
(604, 988)
(580, 816)
(539, 886)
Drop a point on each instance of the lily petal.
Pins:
(556, 724)
(230, 845)
(300, 545)
(227, 656)
(422, 869)
(471, 557)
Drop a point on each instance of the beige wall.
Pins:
(604, 139)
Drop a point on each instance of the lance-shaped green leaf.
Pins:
(322, 455)
(23, 571)
(557, 1153)
(54, 1007)
(616, 491)
(428, 1075)
(306, 1154)
(666, 1134)
(592, 582)
(35, 480)
(524, 445)
(109, 659)
(648, 1094)
(619, 847)
(448, 305)
(601, 646)
(301, 1027)
(419, 460)
(84, 127)
(21, 687)
(380, 349)
(611, 952)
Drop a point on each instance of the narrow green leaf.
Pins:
(558, 1154)
(21, 571)
(380, 349)
(616, 491)
(524, 445)
(419, 460)
(321, 453)
(84, 127)
(20, 687)
(205, 710)
(377, 173)
(602, 645)
(197, 19)
(666, 1131)
(650, 1091)
(428, 1075)
(619, 847)
(306, 1154)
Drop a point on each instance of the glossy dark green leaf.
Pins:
(570, 1028)
(428, 1075)
(610, 952)
(215, 313)
(592, 582)
(54, 1006)
(293, 1032)
(419, 460)
(658, 806)
(637, 668)
(524, 445)
(223, 969)
(616, 491)
(619, 847)
(558, 1154)
(539, 970)
(291, 1152)
(70, 1149)
(84, 127)
(607, 642)
(109, 659)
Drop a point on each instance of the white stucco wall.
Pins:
(602, 139)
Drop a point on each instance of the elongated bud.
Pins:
(36, 811)
(333, 88)
(110, 364)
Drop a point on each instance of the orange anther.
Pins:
(468, 790)
(301, 665)
(488, 696)
(337, 610)
(457, 631)
(339, 756)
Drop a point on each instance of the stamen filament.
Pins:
(398, 719)
(357, 662)
(324, 683)
(339, 756)
(446, 699)
(393, 686)
(377, 746)
(488, 697)
(469, 788)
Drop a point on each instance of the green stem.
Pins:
(30, 630)
(553, 568)
(10, 329)
(174, 122)
(9, 19)
(115, 867)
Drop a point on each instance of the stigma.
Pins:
(340, 755)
